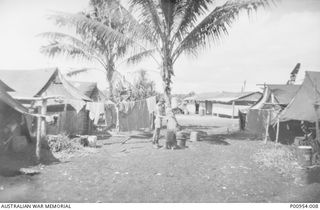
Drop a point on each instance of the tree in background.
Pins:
(143, 87)
(87, 45)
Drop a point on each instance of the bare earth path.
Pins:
(218, 170)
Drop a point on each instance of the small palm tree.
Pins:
(86, 45)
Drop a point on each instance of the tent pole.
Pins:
(43, 120)
(278, 128)
(41, 128)
(267, 127)
(38, 144)
(232, 109)
(316, 107)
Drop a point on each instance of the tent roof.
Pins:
(27, 83)
(255, 96)
(7, 99)
(302, 105)
(31, 83)
(221, 96)
(229, 96)
(283, 94)
(5, 87)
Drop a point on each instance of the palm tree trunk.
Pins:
(167, 72)
(110, 72)
(166, 79)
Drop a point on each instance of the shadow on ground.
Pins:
(215, 139)
(195, 127)
(11, 162)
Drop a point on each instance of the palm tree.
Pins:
(165, 29)
(187, 26)
(86, 45)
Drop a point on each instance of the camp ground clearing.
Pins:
(227, 162)
(102, 104)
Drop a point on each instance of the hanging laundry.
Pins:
(126, 106)
(133, 115)
(152, 104)
(96, 109)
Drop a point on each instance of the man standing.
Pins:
(160, 114)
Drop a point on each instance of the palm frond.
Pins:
(140, 56)
(79, 71)
(149, 11)
(84, 24)
(191, 10)
(55, 49)
(100, 31)
(65, 38)
(215, 25)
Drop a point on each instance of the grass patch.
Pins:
(279, 157)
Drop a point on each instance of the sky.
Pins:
(263, 48)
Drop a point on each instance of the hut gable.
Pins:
(90, 89)
(28, 83)
(41, 82)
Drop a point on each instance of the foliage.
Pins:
(86, 44)
(62, 142)
(141, 88)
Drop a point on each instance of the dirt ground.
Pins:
(220, 168)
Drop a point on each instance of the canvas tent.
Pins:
(264, 113)
(67, 114)
(12, 118)
(301, 106)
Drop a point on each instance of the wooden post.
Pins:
(317, 129)
(278, 128)
(41, 128)
(233, 109)
(316, 107)
(118, 121)
(43, 120)
(38, 144)
(267, 127)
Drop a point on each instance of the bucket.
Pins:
(170, 136)
(92, 141)
(181, 140)
(194, 136)
(305, 155)
(181, 143)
